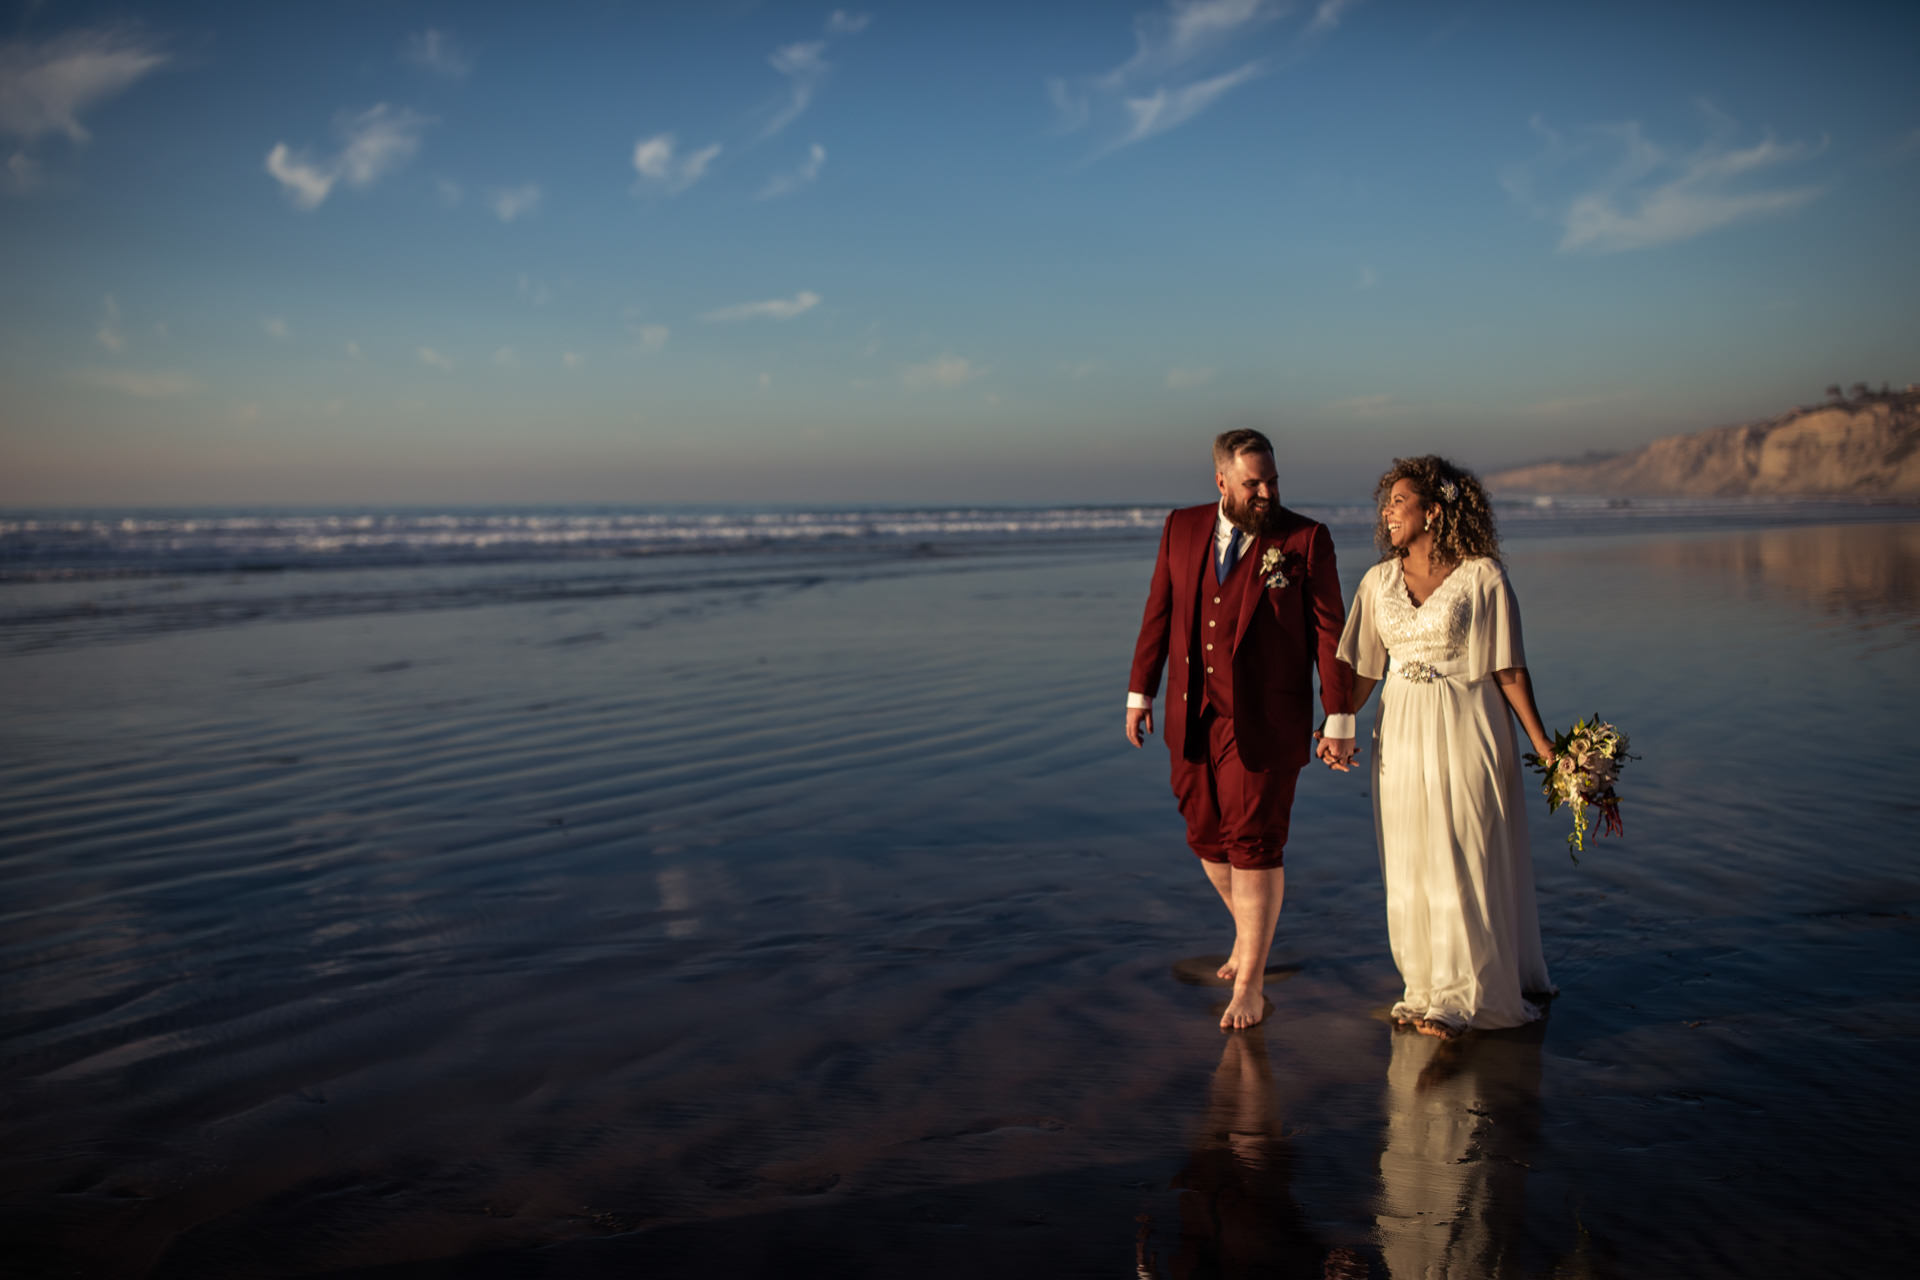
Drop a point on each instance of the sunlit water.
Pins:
(701, 913)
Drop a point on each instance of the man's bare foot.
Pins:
(1247, 1008)
(1437, 1029)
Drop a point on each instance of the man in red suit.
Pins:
(1244, 604)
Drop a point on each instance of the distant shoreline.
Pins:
(1867, 447)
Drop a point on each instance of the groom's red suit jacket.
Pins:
(1282, 632)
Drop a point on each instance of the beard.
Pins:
(1250, 515)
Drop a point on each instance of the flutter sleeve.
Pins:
(1360, 645)
(1493, 644)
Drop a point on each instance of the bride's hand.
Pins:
(1337, 754)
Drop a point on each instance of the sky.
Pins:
(414, 253)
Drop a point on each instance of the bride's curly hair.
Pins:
(1462, 516)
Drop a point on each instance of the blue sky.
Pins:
(916, 252)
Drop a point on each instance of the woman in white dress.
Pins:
(1436, 626)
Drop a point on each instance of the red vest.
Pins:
(1216, 621)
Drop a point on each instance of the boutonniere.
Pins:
(1273, 569)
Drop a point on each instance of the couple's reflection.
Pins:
(1237, 1212)
(1461, 1123)
(1463, 1118)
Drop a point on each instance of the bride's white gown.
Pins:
(1449, 804)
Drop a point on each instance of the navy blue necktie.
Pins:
(1223, 563)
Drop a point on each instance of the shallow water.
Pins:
(792, 910)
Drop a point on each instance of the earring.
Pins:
(1429, 522)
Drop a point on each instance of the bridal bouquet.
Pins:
(1586, 760)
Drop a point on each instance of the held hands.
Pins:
(1337, 753)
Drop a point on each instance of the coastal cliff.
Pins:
(1866, 446)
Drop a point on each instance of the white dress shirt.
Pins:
(1225, 533)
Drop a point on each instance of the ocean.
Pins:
(612, 891)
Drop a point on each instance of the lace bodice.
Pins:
(1468, 627)
(1434, 631)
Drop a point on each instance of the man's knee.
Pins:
(1266, 853)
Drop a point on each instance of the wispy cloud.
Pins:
(1653, 194)
(428, 356)
(1169, 109)
(657, 161)
(307, 184)
(1696, 193)
(573, 360)
(534, 290)
(1367, 278)
(141, 384)
(436, 51)
(45, 87)
(805, 66)
(374, 142)
(1166, 82)
(449, 191)
(1185, 379)
(1186, 30)
(275, 327)
(108, 334)
(509, 203)
(1327, 15)
(943, 372)
(353, 350)
(784, 183)
(1084, 369)
(23, 172)
(506, 358)
(378, 141)
(772, 309)
(650, 338)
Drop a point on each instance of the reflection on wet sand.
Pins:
(1463, 1117)
(1870, 573)
(1237, 1211)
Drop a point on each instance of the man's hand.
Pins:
(1338, 753)
(1139, 724)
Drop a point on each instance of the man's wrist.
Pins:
(1139, 702)
(1340, 726)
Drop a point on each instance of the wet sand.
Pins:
(823, 922)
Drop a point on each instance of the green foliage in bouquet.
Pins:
(1586, 762)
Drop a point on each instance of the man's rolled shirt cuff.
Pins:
(1338, 726)
(1141, 702)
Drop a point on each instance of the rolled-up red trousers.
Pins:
(1234, 814)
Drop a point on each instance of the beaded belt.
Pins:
(1418, 672)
